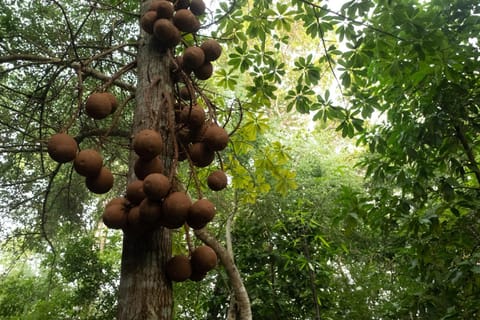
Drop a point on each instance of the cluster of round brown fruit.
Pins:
(180, 267)
(63, 148)
(153, 201)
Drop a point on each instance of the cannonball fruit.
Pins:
(62, 148)
(113, 101)
(193, 116)
(175, 209)
(102, 183)
(163, 8)
(115, 216)
(186, 21)
(178, 268)
(184, 135)
(143, 168)
(181, 4)
(147, 21)
(150, 211)
(203, 259)
(154, 5)
(193, 57)
(200, 213)
(134, 224)
(197, 7)
(215, 137)
(212, 49)
(98, 105)
(217, 180)
(197, 276)
(156, 186)
(185, 94)
(166, 33)
(118, 201)
(204, 72)
(147, 144)
(200, 154)
(88, 163)
(135, 193)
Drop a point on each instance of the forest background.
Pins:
(354, 184)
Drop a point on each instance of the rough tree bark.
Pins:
(145, 293)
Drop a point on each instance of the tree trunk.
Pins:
(145, 292)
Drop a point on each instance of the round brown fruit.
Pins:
(182, 66)
(143, 168)
(200, 154)
(194, 117)
(166, 33)
(135, 193)
(203, 259)
(204, 72)
(115, 216)
(185, 94)
(178, 268)
(62, 148)
(196, 134)
(184, 135)
(102, 183)
(154, 5)
(156, 186)
(113, 101)
(175, 209)
(147, 144)
(186, 21)
(150, 211)
(147, 21)
(98, 105)
(181, 4)
(215, 137)
(118, 201)
(135, 225)
(211, 49)
(201, 212)
(193, 57)
(163, 8)
(197, 276)
(217, 180)
(197, 7)
(88, 163)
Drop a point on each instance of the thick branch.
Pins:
(241, 295)
(72, 64)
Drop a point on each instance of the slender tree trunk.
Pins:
(232, 307)
(145, 292)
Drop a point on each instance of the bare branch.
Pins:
(72, 64)
(241, 295)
